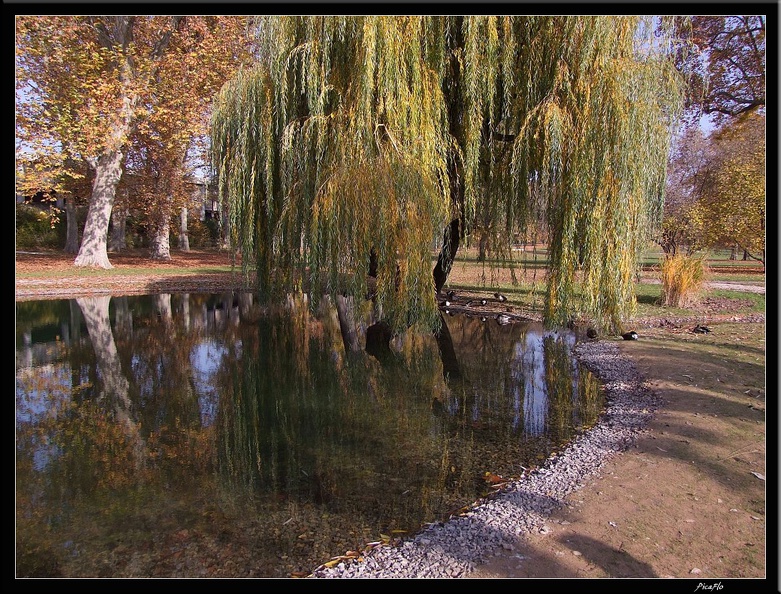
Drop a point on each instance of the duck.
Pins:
(629, 335)
(500, 297)
(451, 295)
(445, 303)
(503, 319)
(701, 329)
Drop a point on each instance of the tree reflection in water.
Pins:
(263, 433)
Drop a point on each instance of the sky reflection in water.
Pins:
(142, 418)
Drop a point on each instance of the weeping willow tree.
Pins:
(356, 145)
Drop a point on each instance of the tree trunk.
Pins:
(456, 119)
(161, 245)
(71, 226)
(117, 240)
(108, 170)
(184, 240)
(447, 254)
(482, 247)
(108, 165)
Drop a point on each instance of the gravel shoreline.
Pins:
(454, 548)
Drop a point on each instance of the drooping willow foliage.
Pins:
(354, 143)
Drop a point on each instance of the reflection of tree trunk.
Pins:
(123, 316)
(163, 308)
(75, 320)
(344, 308)
(186, 311)
(450, 367)
(245, 304)
(378, 337)
(115, 385)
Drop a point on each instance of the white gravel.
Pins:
(453, 549)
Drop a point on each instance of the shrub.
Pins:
(34, 228)
(199, 234)
(682, 280)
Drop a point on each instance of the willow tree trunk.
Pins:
(452, 92)
(447, 254)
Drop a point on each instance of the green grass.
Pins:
(654, 257)
(649, 295)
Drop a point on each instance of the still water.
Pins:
(204, 435)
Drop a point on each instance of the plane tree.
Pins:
(88, 87)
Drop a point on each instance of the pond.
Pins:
(206, 435)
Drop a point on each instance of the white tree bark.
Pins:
(108, 164)
(115, 384)
(161, 244)
(184, 239)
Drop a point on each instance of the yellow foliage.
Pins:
(682, 280)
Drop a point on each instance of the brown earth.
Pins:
(688, 500)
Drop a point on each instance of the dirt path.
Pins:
(689, 500)
(726, 285)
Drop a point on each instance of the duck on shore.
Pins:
(502, 319)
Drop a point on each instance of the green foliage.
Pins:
(355, 135)
(733, 205)
(682, 280)
(35, 229)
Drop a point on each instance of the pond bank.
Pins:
(455, 548)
